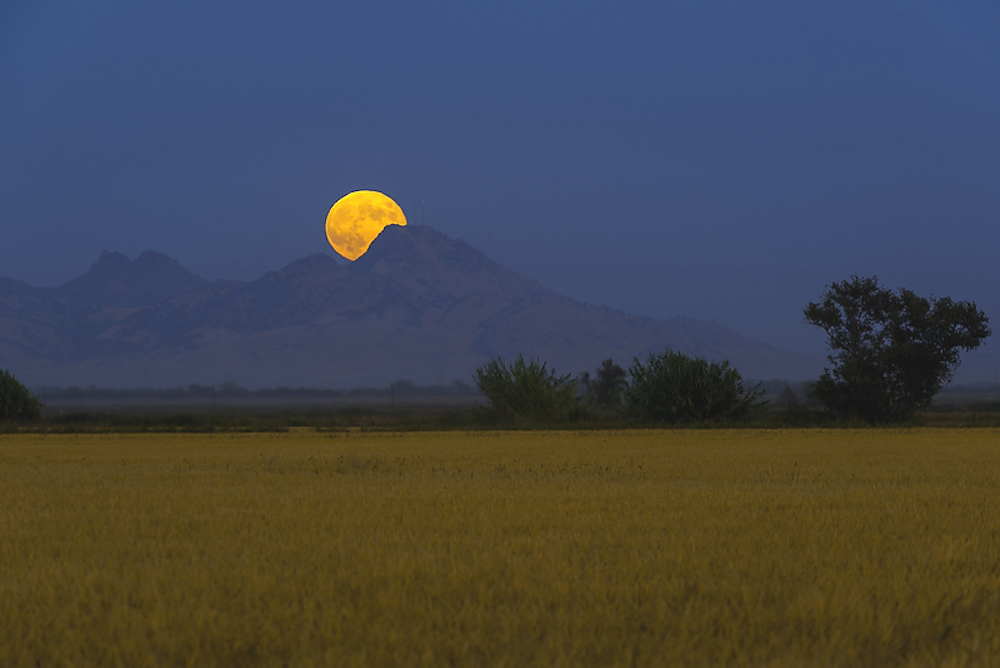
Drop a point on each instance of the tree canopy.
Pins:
(891, 352)
(16, 403)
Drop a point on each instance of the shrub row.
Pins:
(668, 388)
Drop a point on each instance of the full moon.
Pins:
(357, 218)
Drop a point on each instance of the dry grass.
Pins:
(777, 548)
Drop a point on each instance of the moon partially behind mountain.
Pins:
(357, 219)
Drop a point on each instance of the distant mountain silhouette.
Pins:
(115, 280)
(418, 306)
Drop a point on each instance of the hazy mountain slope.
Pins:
(418, 305)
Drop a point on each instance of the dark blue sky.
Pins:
(716, 159)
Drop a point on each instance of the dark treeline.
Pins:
(958, 407)
(400, 388)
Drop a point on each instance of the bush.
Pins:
(673, 387)
(528, 390)
(16, 403)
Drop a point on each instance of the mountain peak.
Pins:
(402, 244)
(110, 262)
(441, 268)
(115, 280)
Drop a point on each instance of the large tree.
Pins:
(891, 352)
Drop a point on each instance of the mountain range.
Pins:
(418, 306)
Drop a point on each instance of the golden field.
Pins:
(648, 548)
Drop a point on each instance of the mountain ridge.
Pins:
(418, 306)
(115, 280)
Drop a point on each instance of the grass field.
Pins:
(652, 548)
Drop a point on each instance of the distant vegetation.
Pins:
(418, 408)
(203, 394)
(604, 390)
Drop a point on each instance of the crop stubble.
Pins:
(839, 547)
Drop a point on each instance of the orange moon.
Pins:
(357, 218)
